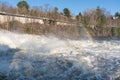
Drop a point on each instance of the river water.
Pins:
(31, 57)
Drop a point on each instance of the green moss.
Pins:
(117, 32)
(28, 29)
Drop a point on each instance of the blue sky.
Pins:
(75, 6)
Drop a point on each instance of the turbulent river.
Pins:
(31, 57)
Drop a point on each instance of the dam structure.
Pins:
(5, 17)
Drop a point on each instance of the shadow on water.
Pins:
(5, 50)
(6, 55)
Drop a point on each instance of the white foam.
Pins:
(40, 57)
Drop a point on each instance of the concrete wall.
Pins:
(6, 18)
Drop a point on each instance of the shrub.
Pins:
(28, 29)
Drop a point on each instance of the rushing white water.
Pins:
(31, 57)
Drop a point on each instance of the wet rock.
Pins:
(3, 77)
(118, 78)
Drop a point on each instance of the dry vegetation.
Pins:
(97, 21)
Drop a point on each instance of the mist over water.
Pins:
(31, 57)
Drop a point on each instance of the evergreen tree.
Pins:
(80, 14)
(23, 4)
(66, 12)
(117, 15)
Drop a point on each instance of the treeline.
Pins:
(37, 11)
(98, 21)
(23, 8)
